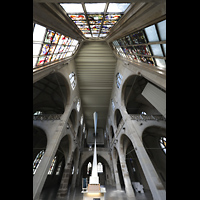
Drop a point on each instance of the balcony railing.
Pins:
(139, 117)
(47, 117)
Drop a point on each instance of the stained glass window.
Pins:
(78, 105)
(58, 168)
(146, 46)
(89, 166)
(49, 46)
(52, 166)
(163, 143)
(72, 80)
(100, 168)
(98, 14)
(118, 79)
(37, 161)
(113, 104)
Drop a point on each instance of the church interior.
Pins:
(103, 57)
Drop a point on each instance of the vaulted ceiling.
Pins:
(95, 61)
(95, 67)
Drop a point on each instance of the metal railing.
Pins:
(140, 117)
(47, 117)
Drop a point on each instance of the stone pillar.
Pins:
(54, 137)
(153, 180)
(116, 174)
(63, 189)
(127, 181)
(76, 163)
(41, 173)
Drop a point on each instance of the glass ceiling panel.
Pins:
(95, 7)
(93, 15)
(117, 7)
(72, 7)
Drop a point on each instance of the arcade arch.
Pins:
(132, 98)
(133, 165)
(151, 140)
(51, 94)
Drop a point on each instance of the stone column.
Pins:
(127, 181)
(116, 174)
(41, 173)
(54, 137)
(76, 163)
(153, 180)
(63, 189)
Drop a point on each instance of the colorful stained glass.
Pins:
(143, 49)
(48, 58)
(77, 17)
(45, 49)
(106, 28)
(52, 166)
(80, 22)
(110, 22)
(95, 17)
(95, 27)
(86, 32)
(96, 22)
(51, 49)
(37, 161)
(41, 60)
(112, 17)
(56, 38)
(138, 37)
(49, 36)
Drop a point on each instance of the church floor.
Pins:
(111, 194)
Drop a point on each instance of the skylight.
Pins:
(72, 7)
(95, 19)
(95, 7)
(117, 7)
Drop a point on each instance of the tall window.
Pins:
(72, 79)
(58, 168)
(113, 104)
(163, 143)
(118, 79)
(78, 105)
(89, 167)
(100, 168)
(37, 161)
(52, 166)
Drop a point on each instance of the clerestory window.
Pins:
(147, 45)
(50, 46)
